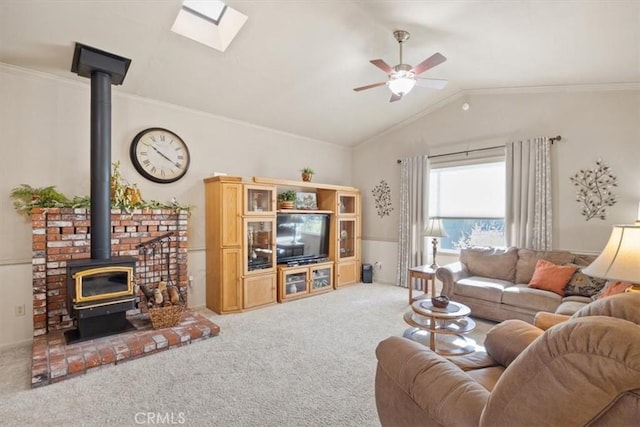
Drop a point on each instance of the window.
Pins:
(470, 200)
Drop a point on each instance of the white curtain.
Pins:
(528, 216)
(414, 183)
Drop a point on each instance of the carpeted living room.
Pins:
(322, 213)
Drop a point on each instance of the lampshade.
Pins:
(401, 82)
(620, 259)
(435, 228)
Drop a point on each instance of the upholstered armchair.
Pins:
(583, 371)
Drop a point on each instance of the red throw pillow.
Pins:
(614, 288)
(551, 277)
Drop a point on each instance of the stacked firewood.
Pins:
(161, 296)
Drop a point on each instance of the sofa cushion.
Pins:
(569, 306)
(487, 377)
(481, 288)
(528, 258)
(494, 263)
(531, 298)
(583, 285)
(551, 277)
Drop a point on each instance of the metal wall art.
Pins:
(382, 198)
(594, 192)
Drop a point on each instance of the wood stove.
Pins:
(100, 292)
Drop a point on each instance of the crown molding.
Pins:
(600, 87)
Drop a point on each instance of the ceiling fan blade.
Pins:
(395, 97)
(431, 83)
(358, 89)
(430, 62)
(382, 65)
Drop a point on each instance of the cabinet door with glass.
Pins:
(294, 283)
(321, 277)
(260, 236)
(347, 239)
(259, 200)
(347, 203)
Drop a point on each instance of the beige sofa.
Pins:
(493, 283)
(585, 371)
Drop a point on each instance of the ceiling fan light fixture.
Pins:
(402, 77)
(401, 83)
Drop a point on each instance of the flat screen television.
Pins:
(302, 237)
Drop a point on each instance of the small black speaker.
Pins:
(367, 273)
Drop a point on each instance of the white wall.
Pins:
(45, 125)
(595, 123)
(45, 129)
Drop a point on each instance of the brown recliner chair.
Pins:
(584, 371)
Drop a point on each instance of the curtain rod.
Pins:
(552, 139)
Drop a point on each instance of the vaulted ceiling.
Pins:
(294, 64)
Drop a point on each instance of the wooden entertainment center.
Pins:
(242, 243)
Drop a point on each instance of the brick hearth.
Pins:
(55, 361)
(63, 234)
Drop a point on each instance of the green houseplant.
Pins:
(287, 199)
(307, 173)
(26, 197)
(123, 196)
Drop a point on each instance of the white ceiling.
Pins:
(294, 64)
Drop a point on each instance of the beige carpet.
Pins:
(309, 362)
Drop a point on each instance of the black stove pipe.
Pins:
(100, 165)
(104, 69)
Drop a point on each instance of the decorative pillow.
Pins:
(613, 288)
(494, 263)
(583, 285)
(527, 259)
(551, 277)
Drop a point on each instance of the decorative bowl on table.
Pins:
(440, 301)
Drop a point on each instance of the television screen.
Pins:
(301, 236)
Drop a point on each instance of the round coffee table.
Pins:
(452, 321)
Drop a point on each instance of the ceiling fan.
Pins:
(403, 77)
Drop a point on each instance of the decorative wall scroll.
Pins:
(594, 190)
(382, 198)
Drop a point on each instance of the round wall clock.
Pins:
(159, 155)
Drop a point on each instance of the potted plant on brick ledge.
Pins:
(26, 197)
(123, 196)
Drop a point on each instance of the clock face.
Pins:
(159, 155)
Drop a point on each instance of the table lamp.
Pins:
(435, 229)
(620, 259)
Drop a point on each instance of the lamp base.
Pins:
(633, 288)
(434, 242)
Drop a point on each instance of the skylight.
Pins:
(210, 22)
(212, 9)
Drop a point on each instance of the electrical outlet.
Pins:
(20, 310)
(378, 265)
(190, 281)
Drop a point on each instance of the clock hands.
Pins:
(176, 164)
